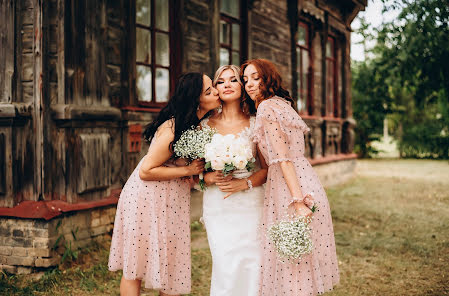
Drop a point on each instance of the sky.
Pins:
(374, 16)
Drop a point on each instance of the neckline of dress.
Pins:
(237, 135)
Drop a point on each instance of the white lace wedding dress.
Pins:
(233, 232)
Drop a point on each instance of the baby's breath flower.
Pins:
(191, 143)
(292, 238)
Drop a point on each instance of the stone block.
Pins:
(47, 262)
(95, 222)
(8, 268)
(18, 251)
(16, 260)
(24, 270)
(39, 252)
(43, 243)
(105, 220)
(5, 250)
(99, 230)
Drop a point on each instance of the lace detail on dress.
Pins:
(279, 110)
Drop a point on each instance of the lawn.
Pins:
(391, 226)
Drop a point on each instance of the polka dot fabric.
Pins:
(151, 238)
(280, 135)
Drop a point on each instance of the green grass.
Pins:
(391, 226)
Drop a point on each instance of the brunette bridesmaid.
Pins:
(151, 238)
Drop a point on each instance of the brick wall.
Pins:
(30, 245)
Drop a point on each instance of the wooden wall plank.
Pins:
(6, 50)
(95, 167)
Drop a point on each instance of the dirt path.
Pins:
(413, 169)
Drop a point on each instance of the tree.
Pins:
(412, 58)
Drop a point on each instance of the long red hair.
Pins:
(271, 84)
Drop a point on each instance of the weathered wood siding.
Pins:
(67, 85)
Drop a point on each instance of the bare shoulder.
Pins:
(167, 129)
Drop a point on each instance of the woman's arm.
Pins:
(152, 168)
(257, 179)
(289, 173)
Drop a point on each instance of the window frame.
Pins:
(308, 108)
(174, 55)
(242, 21)
(333, 61)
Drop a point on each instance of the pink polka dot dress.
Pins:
(151, 238)
(279, 133)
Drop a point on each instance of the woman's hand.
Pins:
(196, 167)
(300, 209)
(216, 177)
(181, 162)
(232, 186)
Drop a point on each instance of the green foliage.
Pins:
(368, 106)
(410, 67)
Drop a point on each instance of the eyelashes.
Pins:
(221, 82)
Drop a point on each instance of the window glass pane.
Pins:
(329, 49)
(224, 32)
(304, 71)
(162, 49)
(330, 86)
(162, 85)
(235, 58)
(143, 12)
(300, 86)
(143, 83)
(230, 7)
(162, 14)
(224, 56)
(236, 36)
(302, 36)
(143, 44)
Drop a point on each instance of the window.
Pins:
(232, 22)
(331, 78)
(153, 65)
(304, 68)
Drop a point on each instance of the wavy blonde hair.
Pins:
(246, 103)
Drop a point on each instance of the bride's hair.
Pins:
(246, 103)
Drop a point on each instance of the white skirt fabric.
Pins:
(233, 232)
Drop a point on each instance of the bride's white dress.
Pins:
(233, 232)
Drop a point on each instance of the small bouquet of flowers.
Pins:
(229, 154)
(292, 236)
(191, 145)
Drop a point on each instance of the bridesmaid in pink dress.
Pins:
(279, 132)
(151, 238)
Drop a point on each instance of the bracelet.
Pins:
(294, 199)
(307, 200)
(249, 183)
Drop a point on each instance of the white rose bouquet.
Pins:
(228, 154)
(191, 145)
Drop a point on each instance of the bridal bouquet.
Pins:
(229, 154)
(191, 145)
(292, 237)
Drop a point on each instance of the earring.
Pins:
(220, 109)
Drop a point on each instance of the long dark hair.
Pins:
(182, 106)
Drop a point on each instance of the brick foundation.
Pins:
(28, 245)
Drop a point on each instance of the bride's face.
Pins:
(229, 88)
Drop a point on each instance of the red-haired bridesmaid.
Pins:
(280, 137)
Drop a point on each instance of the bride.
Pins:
(232, 205)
